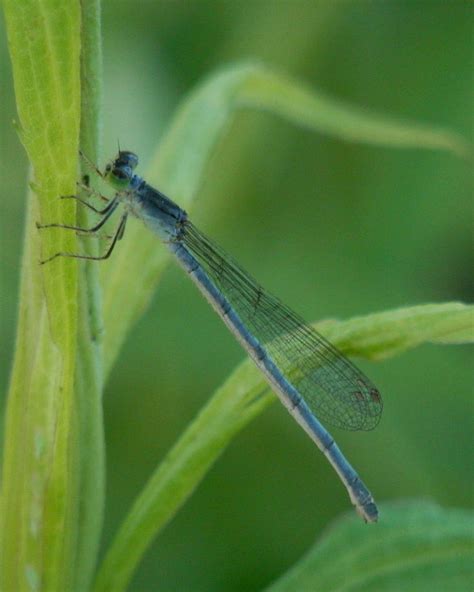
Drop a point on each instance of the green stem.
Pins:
(89, 371)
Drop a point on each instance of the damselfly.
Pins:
(310, 376)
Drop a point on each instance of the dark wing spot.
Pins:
(375, 395)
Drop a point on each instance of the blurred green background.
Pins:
(333, 229)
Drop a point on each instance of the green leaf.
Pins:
(39, 486)
(387, 334)
(181, 160)
(315, 110)
(241, 398)
(417, 546)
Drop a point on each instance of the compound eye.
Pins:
(133, 160)
(129, 158)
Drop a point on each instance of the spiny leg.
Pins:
(117, 236)
(121, 230)
(88, 205)
(106, 213)
(89, 191)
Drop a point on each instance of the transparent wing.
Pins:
(334, 389)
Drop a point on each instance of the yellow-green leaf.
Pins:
(417, 546)
(39, 488)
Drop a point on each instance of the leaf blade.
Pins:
(39, 495)
(383, 335)
(417, 545)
